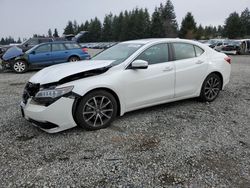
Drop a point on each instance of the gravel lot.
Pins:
(182, 144)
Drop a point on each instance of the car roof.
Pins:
(58, 42)
(154, 40)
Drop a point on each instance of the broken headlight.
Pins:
(48, 96)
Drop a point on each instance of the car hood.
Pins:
(12, 52)
(59, 72)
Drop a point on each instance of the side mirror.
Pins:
(33, 52)
(139, 64)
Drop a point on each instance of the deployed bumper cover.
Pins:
(53, 118)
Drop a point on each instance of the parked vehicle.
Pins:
(219, 45)
(233, 47)
(26, 45)
(128, 76)
(245, 46)
(47, 54)
(30, 43)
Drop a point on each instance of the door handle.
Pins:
(168, 69)
(47, 54)
(200, 62)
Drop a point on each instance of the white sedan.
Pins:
(128, 76)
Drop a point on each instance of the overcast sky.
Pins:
(22, 18)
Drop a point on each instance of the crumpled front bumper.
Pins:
(53, 118)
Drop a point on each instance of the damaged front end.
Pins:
(10, 56)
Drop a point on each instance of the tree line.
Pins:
(138, 23)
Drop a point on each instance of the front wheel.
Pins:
(96, 110)
(20, 66)
(211, 88)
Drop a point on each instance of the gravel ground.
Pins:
(181, 144)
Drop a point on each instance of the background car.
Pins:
(28, 44)
(128, 76)
(47, 54)
(233, 47)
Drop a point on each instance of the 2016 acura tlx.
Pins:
(128, 76)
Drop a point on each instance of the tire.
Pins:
(74, 59)
(96, 110)
(211, 88)
(20, 66)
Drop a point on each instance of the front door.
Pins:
(145, 87)
(41, 56)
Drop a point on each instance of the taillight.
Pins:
(85, 50)
(228, 59)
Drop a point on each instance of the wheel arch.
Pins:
(220, 75)
(108, 90)
(73, 55)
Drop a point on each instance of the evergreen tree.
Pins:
(69, 29)
(125, 30)
(117, 27)
(107, 34)
(169, 19)
(220, 30)
(233, 26)
(55, 34)
(19, 40)
(245, 21)
(49, 33)
(188, 27)
(86, 26)
(200, 33)
(95, 29)
(75, 27)
(157, 28)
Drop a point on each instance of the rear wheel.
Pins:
(211, 88)
(96, 110)
(74, 59)
(20, 66)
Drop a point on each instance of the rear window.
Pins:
(183, 51)
(198, 51)
(72, 46)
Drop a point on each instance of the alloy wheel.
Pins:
(97, 111)
(212, 88)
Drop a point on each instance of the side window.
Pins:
(71, 46)
(183, 51)
(58, 47)
(198, 51)
(44, 48)
(155, 54)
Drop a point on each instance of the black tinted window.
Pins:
(198, 51)
(183, 51)
(58, 47)
(155, 54)
(43, 48)
(72, 45)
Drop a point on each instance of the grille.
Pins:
(30, 90)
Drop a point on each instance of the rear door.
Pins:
(191, 65)
(41, 56)
(59, 53)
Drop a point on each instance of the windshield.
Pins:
(119, 52)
